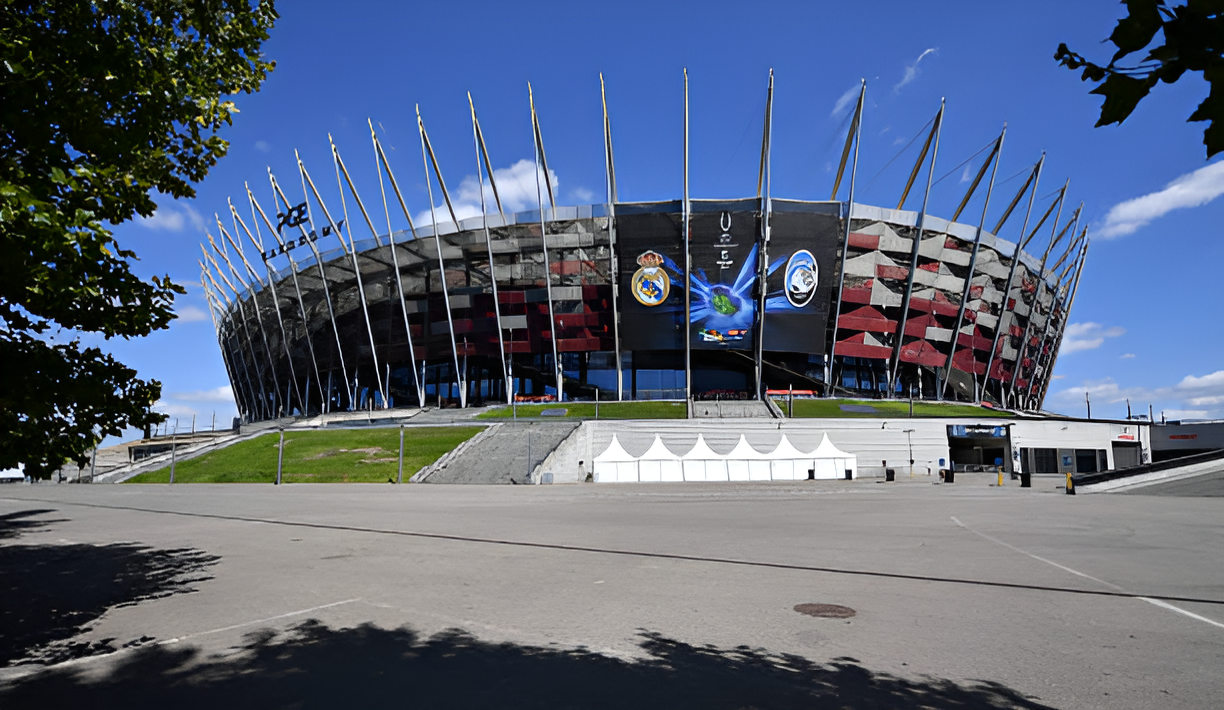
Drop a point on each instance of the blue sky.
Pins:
(1147, 322)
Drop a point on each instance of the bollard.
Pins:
(172, 452)
(1000, 478)
(1026, 480)
(890, 474)
(596, 404)
(1070, 484)
(400, 478)
(529, 456)
(280, 457)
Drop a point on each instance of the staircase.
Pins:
(736, 409)
(500, 454)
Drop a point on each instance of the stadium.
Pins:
(348, 311)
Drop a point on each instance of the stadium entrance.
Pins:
(979, 447)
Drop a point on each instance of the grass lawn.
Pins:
(831, 408)
(335, 456)
(586, 410)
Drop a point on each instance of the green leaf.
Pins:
(1212, 111)
(103, 102)
(1136, 30)
(1122, 93)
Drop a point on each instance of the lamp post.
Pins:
(400, 477)
(910, 441)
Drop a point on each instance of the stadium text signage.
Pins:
(296, 217)
(961, 431)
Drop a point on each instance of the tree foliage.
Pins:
(103, 102)
(1193, 41)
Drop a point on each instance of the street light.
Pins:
(910, 440)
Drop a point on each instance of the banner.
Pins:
(801, 276)
(650, 256)
(724, 301)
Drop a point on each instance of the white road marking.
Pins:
(1156, 602)
(286, 615)
(1170, 607)
(1040, 559)
(17, 672)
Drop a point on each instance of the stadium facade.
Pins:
(826, 297)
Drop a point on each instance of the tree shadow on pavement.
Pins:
(14, 524)
(50, 593)
(367, 667)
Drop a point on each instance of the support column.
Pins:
(997, 154)
(614, 270)
(237, 244)
(1035, 180)
(853, 135)
(913, 262)
(293, 270)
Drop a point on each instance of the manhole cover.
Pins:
(825, 611)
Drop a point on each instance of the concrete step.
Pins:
(500, 454)
(739, 409)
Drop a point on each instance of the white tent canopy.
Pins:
(787, 462)
(743, 463)
(831, 462)
(702, 463)
(615, 464)
(659, 463)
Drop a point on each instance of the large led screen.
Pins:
(723, 245)
(650, 254)
(802, 253)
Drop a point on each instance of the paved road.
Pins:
(653, 595)
(1208, 485)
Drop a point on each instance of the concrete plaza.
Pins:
(964, 595)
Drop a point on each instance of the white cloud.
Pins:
(191, 314)
(1190, 382)
(843, 102)
(1057, 377)
(1185, 413)
(220, 394)
(174, 410)
(582, 195)
(1127, 356)
(262, 146)
(1189, 190)
(899, 140)
(1191, 398)
(1087, 336)
(168, 218)
(911, 70)
(516, 185)
(965, 176)
(1205, 391)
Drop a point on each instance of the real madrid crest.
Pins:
(802, 275)
(650, 284)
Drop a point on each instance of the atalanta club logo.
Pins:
(650, 284)
(802, 275)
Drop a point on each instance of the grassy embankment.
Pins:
(884, 409)
(335, 456)
(586, 410)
